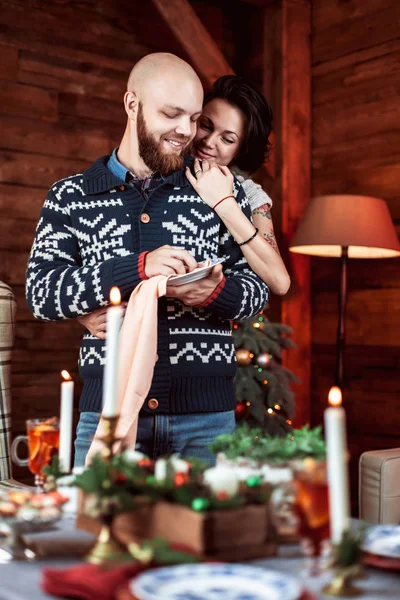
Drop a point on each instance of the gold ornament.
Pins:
(243, 357)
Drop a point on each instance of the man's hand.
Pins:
(197, 292)
(96, 322)
(169, 261)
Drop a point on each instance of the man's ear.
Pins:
(131, 104)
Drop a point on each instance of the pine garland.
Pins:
(255, 444)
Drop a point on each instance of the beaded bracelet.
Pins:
(250, 238)
(219, 201)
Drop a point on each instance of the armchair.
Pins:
(379, 486)
(8, 309)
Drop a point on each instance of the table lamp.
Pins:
(346, 226)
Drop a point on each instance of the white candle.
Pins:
(67, 404)
(338, 478)
(110, 387)
(160, 469)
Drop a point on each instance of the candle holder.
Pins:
(107, 548)
(109, 438)
(341, 585)
(346, 565)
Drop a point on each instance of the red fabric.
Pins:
(142, 258)
(86, 582)
(381, 562)
(214, 295)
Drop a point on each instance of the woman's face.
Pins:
(221, 130)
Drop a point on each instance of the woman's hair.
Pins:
(243, 95)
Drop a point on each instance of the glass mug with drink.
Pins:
(312, 509)
(43, 440)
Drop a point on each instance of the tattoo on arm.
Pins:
(264, 211)
(269, 235)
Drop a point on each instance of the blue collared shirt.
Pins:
(144, 186)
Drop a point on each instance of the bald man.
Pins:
(133, 215)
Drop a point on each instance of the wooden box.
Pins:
(234, 534)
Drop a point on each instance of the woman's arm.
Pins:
(262, 253)
(96, 321)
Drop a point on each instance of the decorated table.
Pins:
(177, 528)
(21, 580)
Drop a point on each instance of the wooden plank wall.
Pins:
(62, 77)
(356, 149)
(63, 72)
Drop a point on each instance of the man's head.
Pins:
(163, 101)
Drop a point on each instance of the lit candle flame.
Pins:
(65, 375)
(335, 396)
(115, 296)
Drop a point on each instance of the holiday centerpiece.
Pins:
(207, 510)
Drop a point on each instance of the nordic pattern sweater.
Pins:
(94, 232)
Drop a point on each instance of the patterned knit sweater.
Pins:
(93, 233)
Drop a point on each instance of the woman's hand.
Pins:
(96, 322)
(212, 182)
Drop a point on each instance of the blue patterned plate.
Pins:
(215, 581)
(383, 540)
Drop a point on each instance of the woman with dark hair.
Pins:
(233, 131)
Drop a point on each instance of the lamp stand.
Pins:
(340, 338)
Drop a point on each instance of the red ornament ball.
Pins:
(181, 479)
(146, 463)
(241, 410)
(222, 496)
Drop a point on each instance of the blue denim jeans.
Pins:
(158, 435)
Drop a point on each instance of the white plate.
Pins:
(215, 581)
(195, 275)
(383, 540)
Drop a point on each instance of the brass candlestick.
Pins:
(107, 548)
(109, 438)
(341, 584)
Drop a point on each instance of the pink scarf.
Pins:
(137, 357)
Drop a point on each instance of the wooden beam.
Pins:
(203, 52)
(287, 82)
(198, 44)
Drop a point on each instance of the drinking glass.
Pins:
(43, 441)
(312, 509)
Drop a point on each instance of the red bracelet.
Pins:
(219, 201)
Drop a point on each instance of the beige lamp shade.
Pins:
(361, 223)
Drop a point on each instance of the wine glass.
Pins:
(43, 440)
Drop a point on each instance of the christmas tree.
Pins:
(263, 393)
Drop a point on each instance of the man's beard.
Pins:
(151, 151)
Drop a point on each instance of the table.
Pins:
(21, 580)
